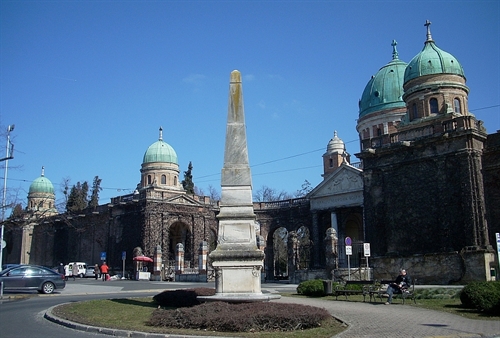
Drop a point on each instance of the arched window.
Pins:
(433, 103)
(163, 179)
(414, 112)
(331, 162)
(149, 179)
(456, 105)
(175, 180)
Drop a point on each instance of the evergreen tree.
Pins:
(17, 212)
(96, 188)
(187, 182)
(77, 199)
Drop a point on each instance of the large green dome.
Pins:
(41, 185)
(432, 60)
(385, 89)
(160, 151)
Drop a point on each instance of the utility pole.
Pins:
(8, 156)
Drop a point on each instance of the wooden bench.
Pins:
(346, 289)
(380, 289)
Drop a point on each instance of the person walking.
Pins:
(66, 272)
(104, 271)
(74, 270)
(60, 269)
(97, 271)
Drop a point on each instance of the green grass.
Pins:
(133, 314)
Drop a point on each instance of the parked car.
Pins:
(90, 272)
(31, 277)
(82, 268)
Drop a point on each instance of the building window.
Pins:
(331, 163)
(149, 179)
(414, 112)
(456, 104)
(433, 103)
(163, 179)
(175, 180)
(379, 132)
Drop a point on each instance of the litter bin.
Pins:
(328, 286)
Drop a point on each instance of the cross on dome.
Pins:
(395, 54)
(428, 25)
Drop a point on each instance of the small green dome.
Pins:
(432, 60)
(42, 185)
(160, 151)
(385, 89)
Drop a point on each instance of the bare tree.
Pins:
(267, 194)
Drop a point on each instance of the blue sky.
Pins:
(88, 83)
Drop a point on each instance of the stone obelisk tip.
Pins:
(235, 76)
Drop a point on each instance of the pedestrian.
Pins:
(97, 271)
(60, 269)
(402, 282)
(66, 272)
(104, 271)
(74, 270)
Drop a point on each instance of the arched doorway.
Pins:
(303, 251)
(280, 253)
(179, 233)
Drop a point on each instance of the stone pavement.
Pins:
(367, 319)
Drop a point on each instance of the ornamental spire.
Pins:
(43, 170)
(395, 55)
(429, 36)
(161, 134)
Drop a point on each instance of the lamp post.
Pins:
(9, 155)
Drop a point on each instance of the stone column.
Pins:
(202, 258)
(179, 259)
(293, 254)
(157, 262)
(331, 252)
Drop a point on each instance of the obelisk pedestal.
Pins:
(237, 261)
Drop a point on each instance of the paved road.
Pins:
(363, 319)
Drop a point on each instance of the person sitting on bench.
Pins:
(402, 282)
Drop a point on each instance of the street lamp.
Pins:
(9, 155)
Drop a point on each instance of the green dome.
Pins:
(160, 151)
(432, 60)
(385, 89)
(41, 185)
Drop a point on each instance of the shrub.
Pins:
(242, 317)
(313, 288)
(182, 298)
(483, 296)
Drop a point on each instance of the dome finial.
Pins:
(428, 25)
(334, 133)
(43, 170)
(161, 134)
(395, 55)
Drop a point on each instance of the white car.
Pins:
(82, 268)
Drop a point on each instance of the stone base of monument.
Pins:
(237, 277)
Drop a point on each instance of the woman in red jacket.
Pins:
(104, 271)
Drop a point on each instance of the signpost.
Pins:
(366, 250)
(348, 252)
(498, 249)
(103, 255)
(124, 256)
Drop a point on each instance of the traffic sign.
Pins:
(124, 255)
(348, 250)
(366, 247)
(348, 241)
(4, 244)
(103, 255)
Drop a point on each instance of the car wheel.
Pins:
(80, 275)
(48, 287)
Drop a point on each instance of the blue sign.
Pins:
(124, 255)
(103, 255)
(348, 241)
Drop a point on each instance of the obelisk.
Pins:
(237, 261)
